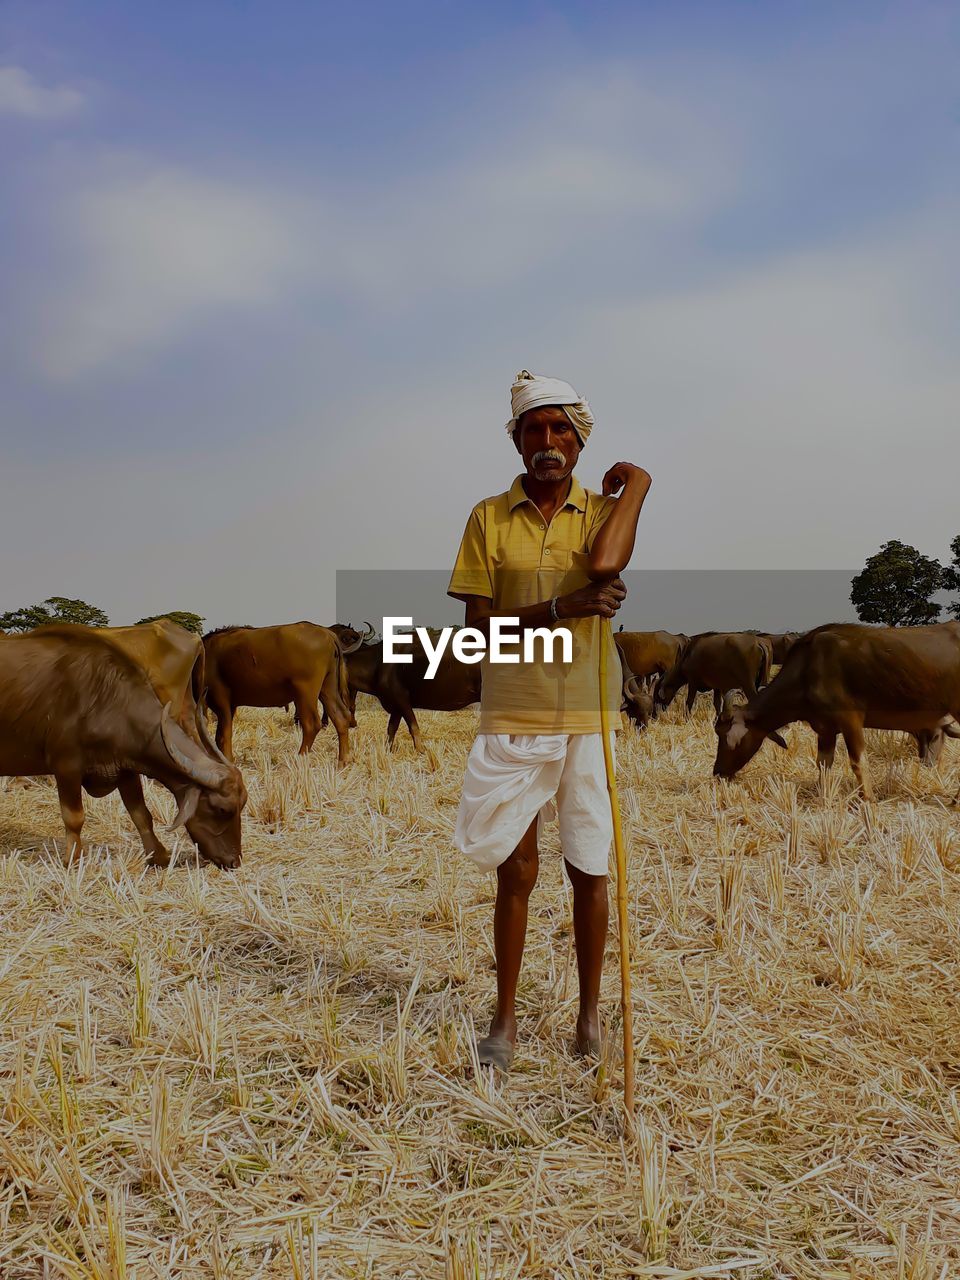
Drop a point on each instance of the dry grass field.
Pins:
(268, 1073)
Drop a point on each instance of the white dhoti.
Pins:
(513, 778)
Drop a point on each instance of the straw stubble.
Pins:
(270, 1074)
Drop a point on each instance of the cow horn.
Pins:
(729, 702)
(370, 632)
(204, 772)
(631, 686)
(186, 808)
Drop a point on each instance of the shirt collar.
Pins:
(577, 496)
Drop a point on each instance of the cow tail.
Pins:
(343, 684)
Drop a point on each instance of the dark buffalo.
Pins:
(99, 707)
(272, 667)
(844, 678)
(719, 661)
(401, 687)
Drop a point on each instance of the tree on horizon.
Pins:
(53, 609)
(182, 617)
(895, 585)
(951, 577)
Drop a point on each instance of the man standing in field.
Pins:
(549, 553)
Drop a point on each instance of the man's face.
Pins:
(547, 442)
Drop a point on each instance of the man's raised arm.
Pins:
(613, 545)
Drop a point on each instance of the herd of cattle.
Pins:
(102, 708)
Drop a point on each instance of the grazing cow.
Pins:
(402, 686)
(843, 678)
(719, 661)
(780, 643)
(649, 653)
(637, 702)
(99, 707)
(930, 744)
(271, 667)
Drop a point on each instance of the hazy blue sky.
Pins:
(268, 271)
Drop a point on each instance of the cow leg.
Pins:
(404, 711)
(853, 737)
(223, 710)
(717, 702)
(337, 712)
(826, 749)
(929, 746)
(414, 728)
(131, 793)
(325, 719)
(692, 692)
(306, 704)
(69, 789)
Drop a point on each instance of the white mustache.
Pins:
(548, 455)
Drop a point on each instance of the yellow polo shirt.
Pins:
(510, 555)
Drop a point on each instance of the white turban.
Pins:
(533, 391)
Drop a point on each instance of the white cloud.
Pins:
(553, 178)
(797, 412)
(154, 251)
(21, 94)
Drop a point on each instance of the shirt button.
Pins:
(543, 526)
(546, 551)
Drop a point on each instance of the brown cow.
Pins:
(781, 643)
(649, 653)
(99, 707)
(298, 662)
(402, 686)
(636, 701)
(843, 678)
(173, 659)
(719, 661)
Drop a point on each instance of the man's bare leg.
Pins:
(590, 935)
(515, 880)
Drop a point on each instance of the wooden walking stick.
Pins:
(626, 1000)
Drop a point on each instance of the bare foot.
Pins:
(495, 1051)
(588, 1035)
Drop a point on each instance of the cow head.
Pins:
(668, 686)
(738, 739)
(637, 702)
(209, 791)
